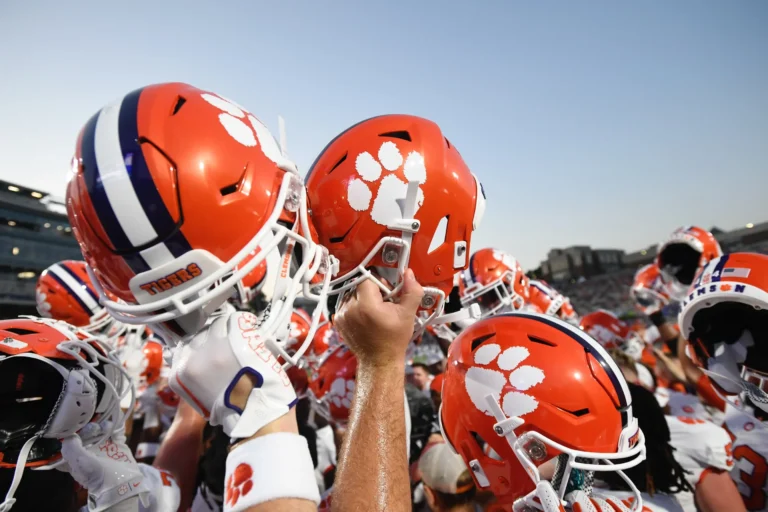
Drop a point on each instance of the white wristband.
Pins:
(269, 467)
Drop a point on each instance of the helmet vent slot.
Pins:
(341, 161)
(541, 341)
(20, 331)
(482, 339)
(401, 134)
(229, 189)
(180, 101)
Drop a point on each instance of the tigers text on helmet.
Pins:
(535, 388)
(172, 190)
(724, 317)
(390, 193)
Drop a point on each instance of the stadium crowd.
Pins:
(172, 369)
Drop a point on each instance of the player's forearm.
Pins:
(180, 452)
(372, 472)
(716, 491)
(692, 373)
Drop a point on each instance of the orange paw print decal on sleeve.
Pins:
(239, 484)
(690, 421)
(729, 454)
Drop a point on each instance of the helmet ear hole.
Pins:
(29, 388)
(439, 238)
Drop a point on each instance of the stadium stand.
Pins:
(611, 290)
(34, 233)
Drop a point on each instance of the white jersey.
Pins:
(644, 376)
(750, 452)
(699, 446)
(165, 496)
(683, 404)
(326, 454)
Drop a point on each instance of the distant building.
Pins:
(578, 262)
(641, 257)
(34, 233)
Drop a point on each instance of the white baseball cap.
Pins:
(442, 469)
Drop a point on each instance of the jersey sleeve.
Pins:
(700, 446)
(165, 495)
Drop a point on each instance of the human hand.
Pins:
(229, 375)
(377, 331)
(108, 471)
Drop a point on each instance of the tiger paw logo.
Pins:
(500, 374)
(43, 306)
(239, 484)
(690, 421)
(242, 126)
(504, 258)
(342, 392)
(378, 190)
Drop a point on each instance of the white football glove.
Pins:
(149, 407)
(596, 503)
(206, 369)
(543, 498)
(164, 495)
(651, 303)
(108, 471)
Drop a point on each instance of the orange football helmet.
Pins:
(494, 280)
(172, 190)
(326, 338)
(683, 254)
(298, 329)
(724, 317)
(535, 388)
(169, 401)
(54, 380)
(251, 284)
(153, 362)
(299, 380)
(612, 333)
(333, 385)
(65, 292)
(649, 290)
(390, 193)
(551, 302)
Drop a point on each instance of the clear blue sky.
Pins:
(596, 122)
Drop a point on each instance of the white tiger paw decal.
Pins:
(505, 258)
(342, 392)
(43, 306)
(246, 129)
(378, 174)
(510, 378)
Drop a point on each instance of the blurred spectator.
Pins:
(421, 377)
(448, 485)
(436, 390)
